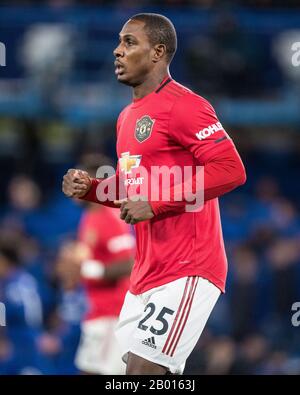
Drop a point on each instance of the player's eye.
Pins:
(129, 42)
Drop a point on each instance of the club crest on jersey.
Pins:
(128, 162)
(143, 128)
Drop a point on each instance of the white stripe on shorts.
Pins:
(181, 316)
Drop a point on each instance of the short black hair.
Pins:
(160, 30)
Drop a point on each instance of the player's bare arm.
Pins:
(76, 183)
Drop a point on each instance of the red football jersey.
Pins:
(110, 241)
(172, 126)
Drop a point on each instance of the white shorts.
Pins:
(99, 351)
(164, 324)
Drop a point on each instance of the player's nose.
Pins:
(118, 52)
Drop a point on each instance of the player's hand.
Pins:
(133, 212)
(76, 183)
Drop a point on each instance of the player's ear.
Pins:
(160, 51)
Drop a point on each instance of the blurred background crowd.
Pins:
(59, 100)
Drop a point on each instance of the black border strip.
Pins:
(221, 139)
(163, 85)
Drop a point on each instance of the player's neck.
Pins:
(150, 84)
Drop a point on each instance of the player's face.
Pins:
(133, 55)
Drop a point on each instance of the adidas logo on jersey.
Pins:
(149, 342)
(206, 132)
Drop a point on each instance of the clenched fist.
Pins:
(76, 183)
(134, 211)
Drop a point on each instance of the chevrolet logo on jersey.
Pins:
(128, 162)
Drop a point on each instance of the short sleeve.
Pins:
(118, 240)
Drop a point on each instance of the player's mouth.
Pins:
(119, 70)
